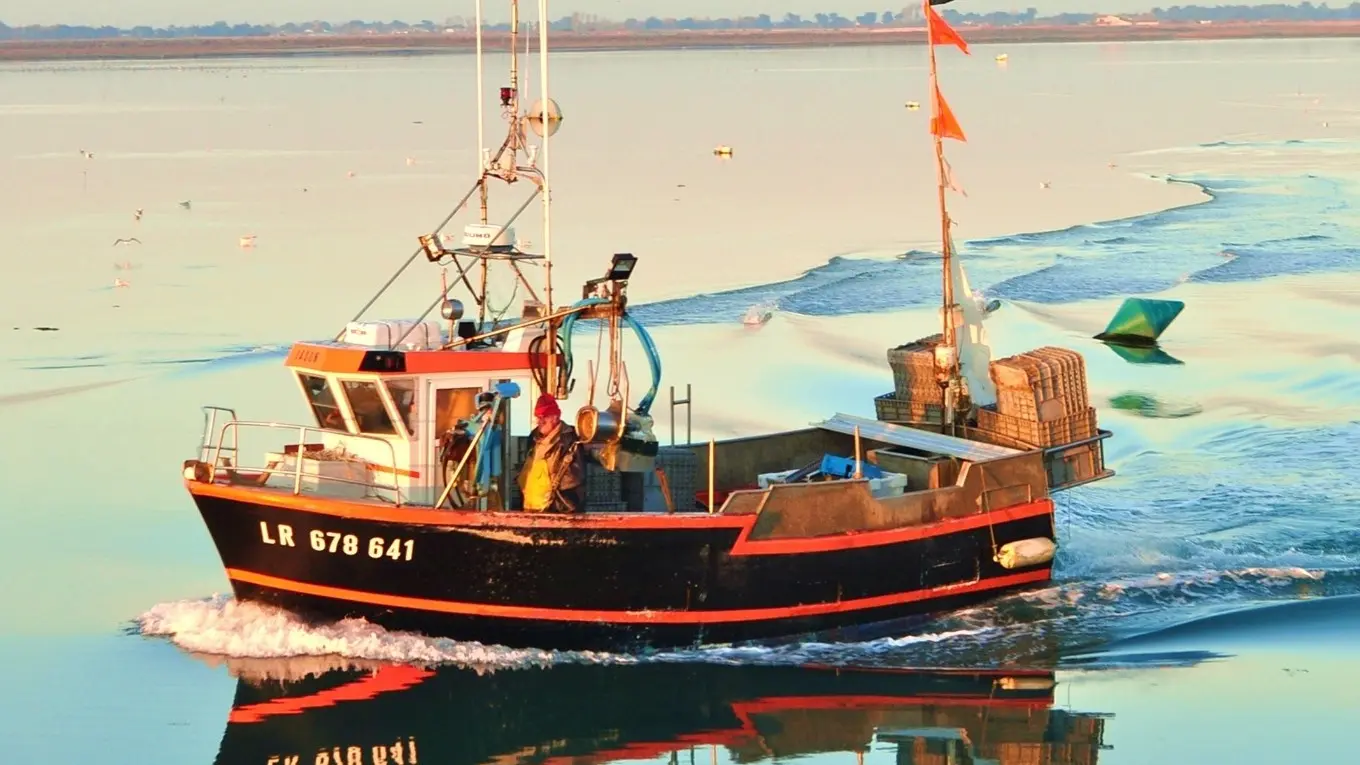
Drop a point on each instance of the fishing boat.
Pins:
(391, 714)
(396, 501)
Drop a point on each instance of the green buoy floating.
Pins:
(1133, 332)
(1140, 321)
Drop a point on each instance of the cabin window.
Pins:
(323, 403)
(370, 414)
(452, 405)
(403, 394)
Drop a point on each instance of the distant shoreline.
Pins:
(134, 49)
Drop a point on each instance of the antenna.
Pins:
(481, 119)
(515, 159)
(547, 116)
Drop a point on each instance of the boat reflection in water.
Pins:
(294, 714)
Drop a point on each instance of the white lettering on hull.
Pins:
(283, 530)
(333, 542)
(399, 752)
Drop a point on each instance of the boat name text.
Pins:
(397, 753)
(281, 534)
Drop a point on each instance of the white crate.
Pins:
(385, 334)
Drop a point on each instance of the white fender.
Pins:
(1026, 552)
(1026, 683)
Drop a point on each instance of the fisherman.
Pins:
(553, 476)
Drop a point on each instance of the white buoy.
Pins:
(1026, 552)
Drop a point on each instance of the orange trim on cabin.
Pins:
(616, 521)
(727, 616)
(346, 359)
(384, 680)
(380, 468)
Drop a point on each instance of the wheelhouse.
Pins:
(391, 407)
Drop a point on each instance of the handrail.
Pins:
(1100, 435)
(209, 428)
(235, 425)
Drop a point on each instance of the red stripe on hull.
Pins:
(637, 617)
(384, 680)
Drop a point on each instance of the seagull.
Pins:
(137, 214)
(185, 204)
(410, 161)
(1045, 184)
(86, 154)
(129, 240)
(248, 240)
(121, 283)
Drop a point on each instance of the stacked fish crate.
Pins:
(1042, 403)
(916, 395)
(1041, 399)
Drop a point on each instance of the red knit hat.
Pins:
(547, 406)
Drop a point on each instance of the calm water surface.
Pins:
(1205, 608)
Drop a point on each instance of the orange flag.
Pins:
(941, 33)
(942, 122)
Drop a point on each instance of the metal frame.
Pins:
(234, 426)
(689, 414)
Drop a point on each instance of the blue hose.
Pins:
(648, 346)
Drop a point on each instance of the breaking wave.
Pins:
(1141, 255)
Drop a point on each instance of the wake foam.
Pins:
(221, 626)
(1038, 625)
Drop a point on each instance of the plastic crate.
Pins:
(1021, 432)
(890, 408)
(913, 369)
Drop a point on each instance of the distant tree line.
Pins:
(910, 16)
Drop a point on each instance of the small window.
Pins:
(403, 394)
(324, 405)
(367, 404)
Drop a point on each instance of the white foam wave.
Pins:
(223, 626)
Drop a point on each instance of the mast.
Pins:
(943, 125)
(485, 242)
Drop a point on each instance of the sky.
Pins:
(128, 13)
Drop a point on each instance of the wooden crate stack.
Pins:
(1041, 399)
(916, 395)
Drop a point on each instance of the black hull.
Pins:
(618, 583)
(583, 636)
(457, 716)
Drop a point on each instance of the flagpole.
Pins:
(946, 245)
